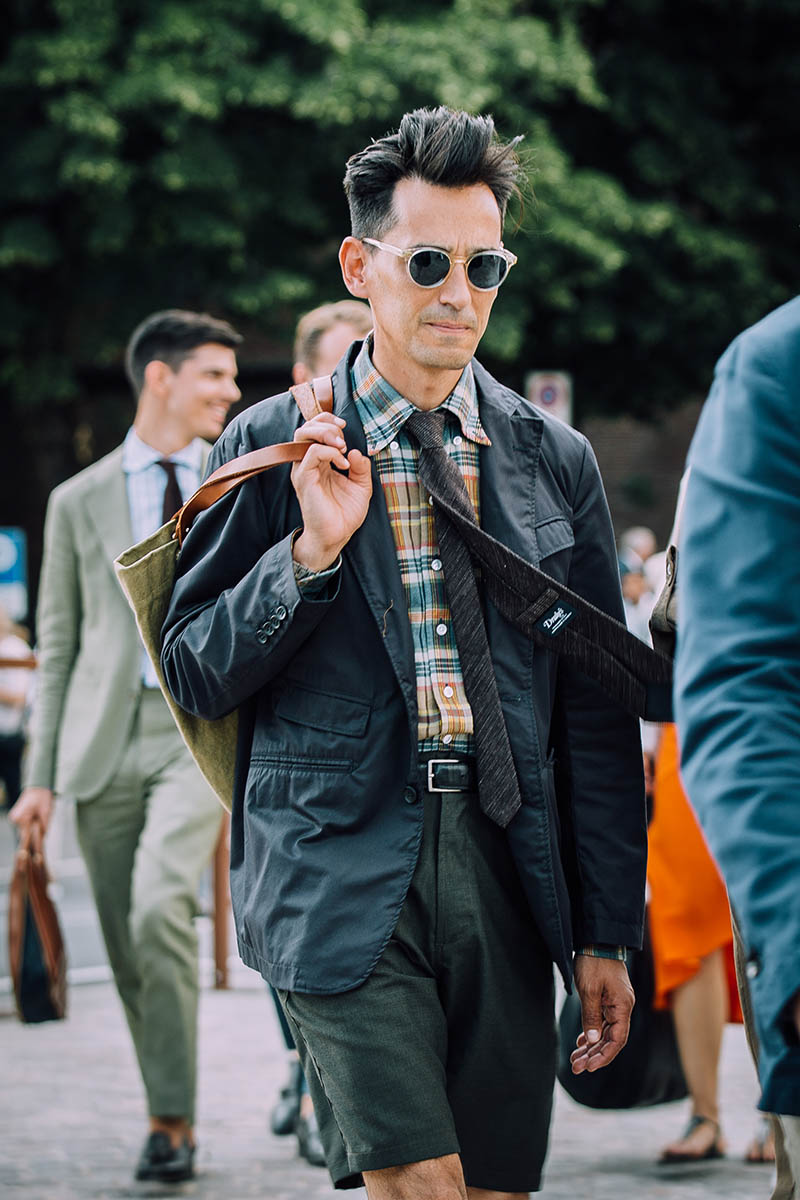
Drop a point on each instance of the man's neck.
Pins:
(425, 389)
(165, 438)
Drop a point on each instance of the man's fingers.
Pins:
(591, 1055)
(320, 455)
(360, 466)
(324, 428)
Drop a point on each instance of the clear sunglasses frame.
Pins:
(407, 255)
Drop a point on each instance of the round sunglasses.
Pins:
(430, 267)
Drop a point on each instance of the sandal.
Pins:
(761, 1147)
(716, 1149)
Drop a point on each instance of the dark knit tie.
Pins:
(172, 493)
(498, 789)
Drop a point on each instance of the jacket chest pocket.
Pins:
(323, 711)
(555, 540)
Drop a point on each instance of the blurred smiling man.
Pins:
(428, 812)
(103, 735)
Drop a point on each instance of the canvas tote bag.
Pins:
(146, 573)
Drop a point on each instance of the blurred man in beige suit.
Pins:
(102, 733)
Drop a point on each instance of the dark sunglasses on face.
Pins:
(429, 267)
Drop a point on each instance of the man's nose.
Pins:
(455, 290)
(233, 393)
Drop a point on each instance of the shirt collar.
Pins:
(384, 411)
(138, 456)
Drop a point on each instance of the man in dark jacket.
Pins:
(411, 935)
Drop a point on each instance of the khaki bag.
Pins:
(146, 573)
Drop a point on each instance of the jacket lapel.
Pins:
(371, 554)
(107, 507)
(509, 467)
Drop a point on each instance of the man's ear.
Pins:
(301, 373)
(353, 261)
(157, 376)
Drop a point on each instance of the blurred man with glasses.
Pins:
(428, 811)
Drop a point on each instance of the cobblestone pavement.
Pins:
(71, 1118)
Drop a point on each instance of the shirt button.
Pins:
(441, 629)
(457, 440)
(752, 970)
(448, 691)
(410, 795)
(447, 739)
(430, 500)
(393, 446)
(436, 564)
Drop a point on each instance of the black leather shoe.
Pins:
(164, 1162)
(309, 1145)
(283, 1117)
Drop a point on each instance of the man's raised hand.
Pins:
(333, 488)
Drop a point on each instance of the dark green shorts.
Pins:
(449, 1045)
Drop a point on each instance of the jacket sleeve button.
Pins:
(410, 795)
(261, 636)
(280, 612)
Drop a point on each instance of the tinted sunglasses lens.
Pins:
(428, 267)
(487, 271)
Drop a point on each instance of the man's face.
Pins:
(202, 390)
(423, 331)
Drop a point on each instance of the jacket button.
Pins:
(261, 636)
(410, 795)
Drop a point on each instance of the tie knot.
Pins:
(167, 465)
(427, 429)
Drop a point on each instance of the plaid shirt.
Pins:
(445, 717)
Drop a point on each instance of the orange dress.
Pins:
(689, 914)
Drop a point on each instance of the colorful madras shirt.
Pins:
(445, 717)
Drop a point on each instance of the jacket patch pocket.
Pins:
(553, 535)
(323, 710)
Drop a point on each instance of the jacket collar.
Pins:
(509, 467)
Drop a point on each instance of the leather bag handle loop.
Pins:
(311, 398)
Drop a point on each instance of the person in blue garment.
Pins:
(738, 676)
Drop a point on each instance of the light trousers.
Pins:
(146, 840)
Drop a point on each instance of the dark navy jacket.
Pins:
(737, 689)
(326, 819)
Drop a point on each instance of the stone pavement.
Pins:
(71, 1117)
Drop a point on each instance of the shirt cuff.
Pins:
(620, 953)
(312, 584)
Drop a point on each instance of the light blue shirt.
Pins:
(146, 484)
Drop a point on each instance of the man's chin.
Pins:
(211, 431)
(446, 358)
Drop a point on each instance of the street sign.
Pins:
(13, 572)
(551, 390)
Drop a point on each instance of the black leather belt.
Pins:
(449, 774)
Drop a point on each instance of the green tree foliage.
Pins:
(190, 152)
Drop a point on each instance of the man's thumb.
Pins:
(592, 1021)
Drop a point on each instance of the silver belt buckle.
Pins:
(432, 762)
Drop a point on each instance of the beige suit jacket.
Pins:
(89, 677)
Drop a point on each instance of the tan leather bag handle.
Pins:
(311, 398)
